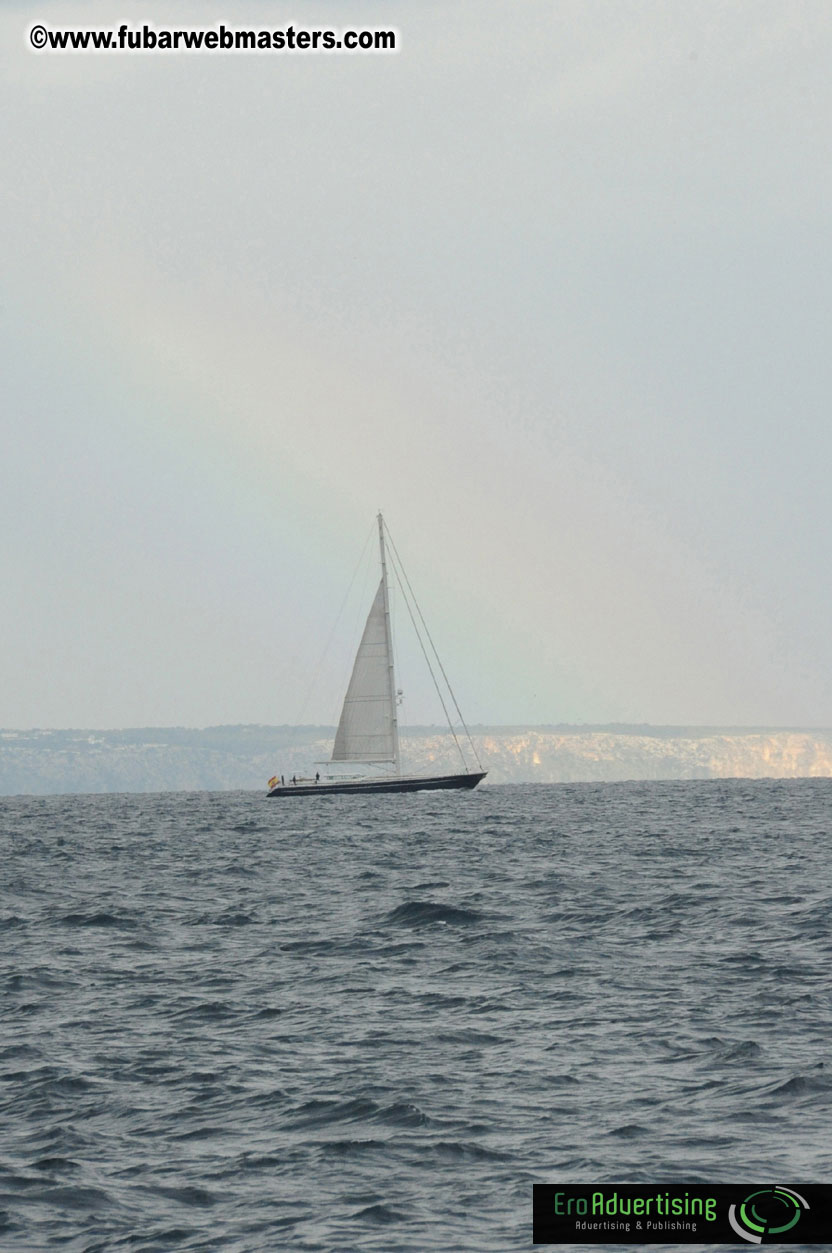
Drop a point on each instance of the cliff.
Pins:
(223, 758)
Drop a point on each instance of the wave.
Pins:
(431, 913)
(323, 1113)
(187, 1195)
(230, 918)
(469, 1035)
(815, 1085)
(383, 1215)
(461, 1151)
(101, 918)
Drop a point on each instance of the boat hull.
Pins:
(345, 787)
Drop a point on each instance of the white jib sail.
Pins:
(366, 731)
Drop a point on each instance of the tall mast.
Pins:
(391, 678)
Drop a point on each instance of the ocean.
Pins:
(373, 1023)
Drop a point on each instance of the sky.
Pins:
(550, 286)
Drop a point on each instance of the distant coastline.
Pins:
(221, 758)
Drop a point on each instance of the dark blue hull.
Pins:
(363, 786)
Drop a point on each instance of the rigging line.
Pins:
(399, 571)
(402, 578)
(316, 671)
(433, 646)
(399, 703)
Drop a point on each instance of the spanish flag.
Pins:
(273, 781)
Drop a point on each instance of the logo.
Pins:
(768, 1213)
(645, 1213)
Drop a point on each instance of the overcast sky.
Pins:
(550, 285)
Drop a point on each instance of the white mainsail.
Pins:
(367, 730)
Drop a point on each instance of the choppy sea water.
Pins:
(372, 1023)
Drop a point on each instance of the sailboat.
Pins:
(368, 732)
